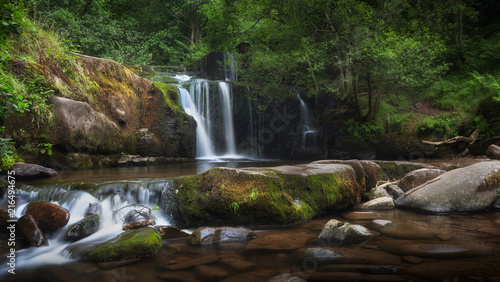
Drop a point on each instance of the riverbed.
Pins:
(417, 247)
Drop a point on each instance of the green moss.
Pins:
(142, 242)
(170, 95)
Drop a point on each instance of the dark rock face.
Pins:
(467, 189)
(419, 177)
(94, 208)
(220, 235)
(493, 152)
(48, 216)
(339, 233)
(394, 191)
(32, 171)
(84, 228)
(33, 233)
(137, 243)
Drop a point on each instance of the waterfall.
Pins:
(230, 67)
(212, 109)
(307, 126)
(227, 106)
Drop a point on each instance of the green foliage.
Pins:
(235, 207)
(438, 127)
(254, 194)
(37, 148)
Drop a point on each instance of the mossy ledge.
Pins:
(257, 197)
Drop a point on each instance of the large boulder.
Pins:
(32, 171)
(340, 233)
(418, 177)
(383, 203)
(467, 189)
(49, 217)
(218, 235)
(262, 196)
(493, 152)
(368, 173)
(136, 243)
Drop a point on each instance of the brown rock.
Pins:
(193, 262)
(279, 242)
(419, 177)
(32, 232)
(211, 273)
(32, 171)
(412, 259)
(493, 152)
(237, 263)
(171, 232)
(4, 216)
(48, 216)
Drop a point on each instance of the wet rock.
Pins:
(419, 177)
(48, 216)
(381, 223)
(322, 255)
(367, 173)
(84, 228)
(31, 231)
(279, 242)
(467, 189)
(496, 204)
(137, 243)
(238, 264)
(176, 265)
(219, 235)
(412, 259)
(430, 249)
(137, 219)
(32, 171)
(286, 277)
(398, 169)
(5, 249)
(378, 192)
(79, 161)
(366, 256)
(340, 233)
(94, 208)
(211, 273)
(493, 152)
(171, 232)
(383, 203)
(410, 230)
(394, 191)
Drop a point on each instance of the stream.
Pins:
(417, 247)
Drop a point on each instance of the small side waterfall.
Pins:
(308, 131)
(227, 112)
(230, 67)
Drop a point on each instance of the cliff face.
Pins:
(101, 107)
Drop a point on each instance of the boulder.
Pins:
(48, 216)
(83, 228)
(398, 169)
(394, 191)
(220, 235)
(378, 192)
(322, 255)
(383, 203)
(493, 152)
(88, 127)
(467, 189)
(32, 171)
(340, 233)
(31, 231)
(418, 177)
(171, 232)
(136, 243)
(367, 172)
(137, 219)
(262, 196)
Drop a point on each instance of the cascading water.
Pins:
(112, 197)
(227, 112)
(308, 131)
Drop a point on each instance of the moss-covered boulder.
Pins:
(136, 243)
(263, 196)
(367, 173)
(467, 189)
(398, 169)
(83, 228)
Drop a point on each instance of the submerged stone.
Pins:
(322, 255)
(137, 243)
(339, 233)
(219, 235)
(286, 277)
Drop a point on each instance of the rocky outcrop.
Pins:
(382, 203)
(220, 235)
(418, 177)
(137, 243)
(493, 152)
(340, 233)
(48, 216)
(467, 189)
(367, 173)
(32, 171)
(262, 196)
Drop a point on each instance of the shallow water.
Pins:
(416, 247)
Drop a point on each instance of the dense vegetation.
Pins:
(428, 68)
